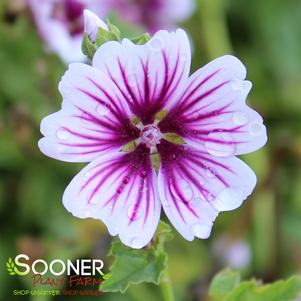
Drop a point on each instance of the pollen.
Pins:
(151, 135)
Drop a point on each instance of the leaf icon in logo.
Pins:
(10, 266)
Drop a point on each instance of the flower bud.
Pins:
(92, 24)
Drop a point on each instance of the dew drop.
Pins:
(102, 110)
(195, 202)
(210, 172)
(224, 71)
(126, 180)
(85, 118)
(229, 199)
(202, 180)
(165, 203)
(174, 157)
(240, 118)
(135, 242)
(256, 129)
(88, 174)
(220, 144)
(196, 115)
(201, 230)
(241, 85)
(183, 57)
(87, 213)
(207, 196)
(156, 44)
(62, 134)
(184, 190)
(132, 79)
(134, 209)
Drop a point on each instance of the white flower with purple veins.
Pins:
(115, 103)
(60, 24)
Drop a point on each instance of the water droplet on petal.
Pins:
(132, 79)
(155, 44)
(110, 218)
(135, 242)
(87, 213)
(256, 129)
(102, 110)
(88, 174)
(174, 157)
(210, 172)
(62, 134)
(126, 180)
(196, 115)
(134, 212)
(201, 230)
(241, 85)
(224, 71)
(184, 57)
(240, 118)
(165, 203)
(195, 202)
(207, 196)
(229, 199)
(184, 190)
(85, 118)
(220, 144)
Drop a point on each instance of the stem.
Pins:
(214, 27)
(166, 288)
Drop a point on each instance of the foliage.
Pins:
(227, 286)
(137, 266)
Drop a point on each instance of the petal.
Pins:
(151, 76)
(212, 112)
(195, 186)
(119, 189)
(94, 118)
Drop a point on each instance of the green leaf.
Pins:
(223, 283)
(104, 36)
(114, 30)
(132, 266)
(142, 39)
(88, 47)
(282, 290)
(226, 286)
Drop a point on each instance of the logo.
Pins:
(68, 273)
(57, 267)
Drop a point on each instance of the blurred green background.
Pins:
(262, 238)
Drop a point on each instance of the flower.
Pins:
(152, 14)
(61, 25)
(234, 253)
(142, 94)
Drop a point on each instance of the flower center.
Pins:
(151, 135)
